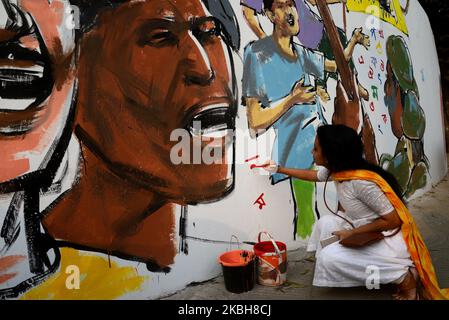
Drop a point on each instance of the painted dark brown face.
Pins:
(167, 69)
(36, 77)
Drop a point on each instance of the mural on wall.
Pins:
(125, 191)
(90, 114)
(274, 90)
(38, 91)
(409, 163)
(121, 200)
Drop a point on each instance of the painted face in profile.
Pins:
(36, 76)
(169, 69)
(393, 101)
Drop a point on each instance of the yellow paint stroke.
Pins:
(379, 48)
(372, 7)
(98, 280)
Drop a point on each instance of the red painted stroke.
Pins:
(252, 158)
(6, 277)
(256, 166)
(7, 263)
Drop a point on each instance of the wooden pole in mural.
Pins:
(337, 48)
(343, 4)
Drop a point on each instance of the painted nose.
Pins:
(198, 69)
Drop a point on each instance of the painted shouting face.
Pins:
(167, 69)
(36, 68)
(284, 16)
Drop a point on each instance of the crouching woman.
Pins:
(369, 202)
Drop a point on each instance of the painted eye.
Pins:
(207, 31)
(160, 37)
(208, 27)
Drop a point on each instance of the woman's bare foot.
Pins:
(408, 288)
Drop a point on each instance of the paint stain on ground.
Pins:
(98, 280)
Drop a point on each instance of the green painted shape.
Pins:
(399, 167)
(304, 191)
(401, 63)
(409, 179)
(325, 47)
(413, 119)
(418, 179)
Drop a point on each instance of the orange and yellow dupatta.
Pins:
(418, 250)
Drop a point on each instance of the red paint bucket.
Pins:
(239, 270)
(271, 261)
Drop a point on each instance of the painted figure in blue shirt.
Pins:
(278, 91)
(312, 35)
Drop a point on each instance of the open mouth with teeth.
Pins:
(290, 20)
(214, 121)
(213, 125)
(25, 82)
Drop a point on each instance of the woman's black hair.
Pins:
(343, 150)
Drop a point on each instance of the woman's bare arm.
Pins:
(386, 222)
(309, 175)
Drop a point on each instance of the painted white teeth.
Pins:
(38, 70)
(216, 134)
(217, 130)
(15, 104)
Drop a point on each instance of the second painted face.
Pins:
(284, 16)
(37, 76)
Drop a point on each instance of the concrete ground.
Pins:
(431, 213)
